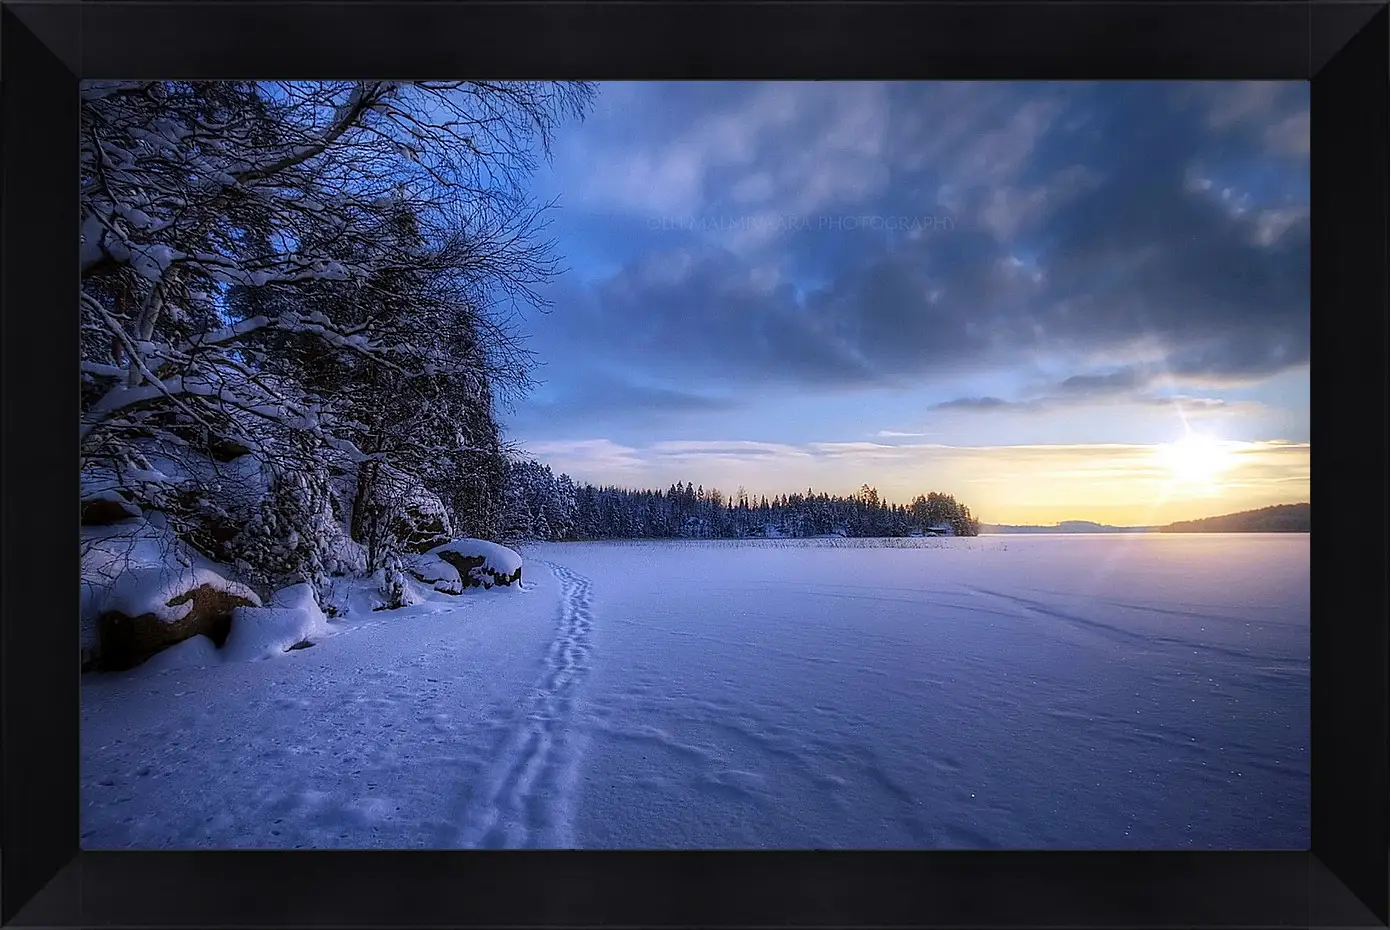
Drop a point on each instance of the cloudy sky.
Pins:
(1020, 294)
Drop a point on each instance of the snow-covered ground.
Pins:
(1039, 692)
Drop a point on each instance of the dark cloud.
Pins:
(668, 399)
(599, 396)
(1153, 255)
(1121, 381)
(703, 310)
(1083, 220)
(978, 403)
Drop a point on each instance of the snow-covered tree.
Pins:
(319, 275)
(542, 506)
(538, 504)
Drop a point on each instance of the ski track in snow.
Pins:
(526, 800)
(742, 699)
(1122, 636)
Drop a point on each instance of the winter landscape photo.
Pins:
(800, 465)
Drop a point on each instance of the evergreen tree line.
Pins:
(541, 505)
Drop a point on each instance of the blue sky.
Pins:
(1019, 293)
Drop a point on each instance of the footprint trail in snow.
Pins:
(526, 798)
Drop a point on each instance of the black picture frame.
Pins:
(47, 47)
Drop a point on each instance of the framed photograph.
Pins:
(693, 464)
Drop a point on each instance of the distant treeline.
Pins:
(544, 506)
(1283, 518)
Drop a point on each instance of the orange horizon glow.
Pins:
(1114, 484)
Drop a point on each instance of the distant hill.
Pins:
(1282, 518)
(1067, 526)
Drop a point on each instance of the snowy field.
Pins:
(999, 692)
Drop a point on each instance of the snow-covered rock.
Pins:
(173, 611)
(434, 571)
(170, 593)
(144, 591)
(103, 508)
(468, 563)
(423, 520)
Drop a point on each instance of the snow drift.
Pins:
(292, 619)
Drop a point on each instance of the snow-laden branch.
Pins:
(315, 274)
(363, 96)
(222, 336)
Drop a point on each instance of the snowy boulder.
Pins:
(291, 622)
(143, 590)
(149, 609)
(478, 563)
(224, 449)
(107, 507)
(422, 521)
(423, 525)
(436, 573)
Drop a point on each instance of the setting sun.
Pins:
(1197, 459)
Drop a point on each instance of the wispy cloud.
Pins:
(1134, 386)
(1189, 406)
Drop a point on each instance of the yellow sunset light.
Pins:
(1196, 459)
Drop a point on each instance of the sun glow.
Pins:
(1196, 459)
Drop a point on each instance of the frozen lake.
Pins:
(1001, 692)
